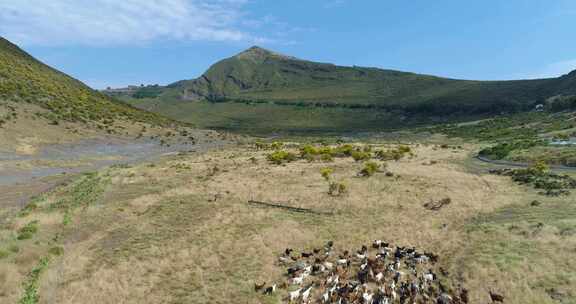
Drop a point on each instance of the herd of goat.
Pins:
(377, 275)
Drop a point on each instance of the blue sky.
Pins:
(115, 43)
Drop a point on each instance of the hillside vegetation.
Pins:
(280, 89)
(258, 74)
(25, 79)
(40, 105)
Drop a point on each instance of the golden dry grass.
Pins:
(176, 232)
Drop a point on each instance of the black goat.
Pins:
(496, 297)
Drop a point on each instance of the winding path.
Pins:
(519, 164)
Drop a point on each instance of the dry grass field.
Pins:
(28, 132)
(180, 230)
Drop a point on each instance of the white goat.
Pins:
(422, 259)
(306, 294)
(367, 297)
(428, 277)
(283, 260)
(331, 279)
(326, 297)
(333, 289)
(294, 295)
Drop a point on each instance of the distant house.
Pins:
(539, 108)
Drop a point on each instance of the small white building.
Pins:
(539, 108)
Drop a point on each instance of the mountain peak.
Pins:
(256, 48)
(259, 53)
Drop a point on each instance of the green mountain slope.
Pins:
(258, 74)
(566, 84)
(25, 79)
(266, 80)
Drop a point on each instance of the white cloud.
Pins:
(113, 22)
(555, 69)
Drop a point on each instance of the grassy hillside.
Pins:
(25, 79)
(524, 137)
(269, 118)
(258, 74)
(276, 90)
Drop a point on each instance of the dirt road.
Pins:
(24, 176)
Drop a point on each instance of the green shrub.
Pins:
(559, 137)
(30, 295)
(326, 157)
(28, 231)
(326, 173)
(308, 152)
(13, 248)
(394, 154)
(264, 146)
(540, 177)
(540, 167)
(360, 155)
(344, 150)
(370, 168)
(327, 153)
(309, 157)
(337, 189)
(404, 149)
(502, 150)
(388, 155)
(57, 251)
(150, 91)
(280, 157)
(4, 254)
(276, 145)
(180, 166)
(67, 218)
(31, 206)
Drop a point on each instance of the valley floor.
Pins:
(179, 229)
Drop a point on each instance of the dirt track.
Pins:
(518, 164)
(24, 176)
